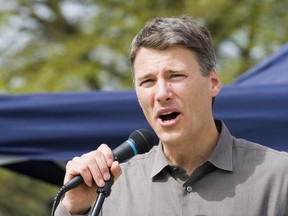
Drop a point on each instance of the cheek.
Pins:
(198, 100)
(147, 110)
(144, 100)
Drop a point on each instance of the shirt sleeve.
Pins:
(61, 211)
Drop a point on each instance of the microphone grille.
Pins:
(143, 140)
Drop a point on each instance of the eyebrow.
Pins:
(146, 76)
(169, 71)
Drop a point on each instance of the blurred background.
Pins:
(72, 46)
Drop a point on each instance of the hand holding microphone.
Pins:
(94, 169)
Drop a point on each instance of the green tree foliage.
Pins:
(83, 45)
(69, 45)
(24, 196)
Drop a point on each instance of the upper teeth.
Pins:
(167, 113)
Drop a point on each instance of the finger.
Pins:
(77, 167)
(108, 154)
(103, 168)
(93, 166)
(98, 167)
(116, 170)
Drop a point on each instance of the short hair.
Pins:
(161, 33)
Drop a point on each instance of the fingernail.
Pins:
(101, 183)
(109, 162)
(106, 176)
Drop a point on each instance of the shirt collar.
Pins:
(220, 158)
(222, 154)
(160, 161)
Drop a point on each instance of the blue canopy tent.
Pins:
(255, 106)
(41, 131)
(272, 71)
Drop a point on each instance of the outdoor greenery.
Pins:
(71, 45)
(21, 195)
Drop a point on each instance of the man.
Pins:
(198, 168)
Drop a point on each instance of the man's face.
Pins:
(174, 95)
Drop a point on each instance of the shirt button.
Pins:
(174, 168)
(189, 189)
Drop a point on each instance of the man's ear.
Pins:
(215, 82)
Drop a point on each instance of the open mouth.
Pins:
(169, 116)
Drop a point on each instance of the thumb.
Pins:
(116, 170)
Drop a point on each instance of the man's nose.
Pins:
(163, 91)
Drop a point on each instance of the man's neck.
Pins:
(193, 153)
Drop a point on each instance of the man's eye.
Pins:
(176, 76)
(145, 82)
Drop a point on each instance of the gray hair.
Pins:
(161, 33)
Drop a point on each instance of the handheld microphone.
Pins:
(139, 142)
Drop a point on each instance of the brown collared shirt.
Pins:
(239, 178)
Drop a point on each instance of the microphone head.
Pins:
(142, 139)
